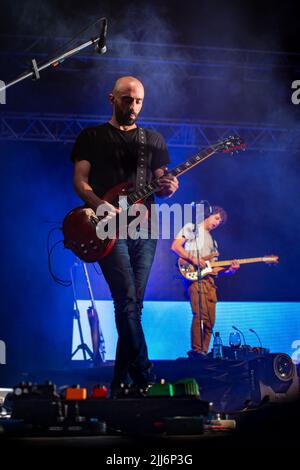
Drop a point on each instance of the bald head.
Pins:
(127, 101)
(124, 84)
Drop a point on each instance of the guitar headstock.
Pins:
(233, 143)
(271, 259)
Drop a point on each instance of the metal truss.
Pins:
(192, 61)
(178, 134)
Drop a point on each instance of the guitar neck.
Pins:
(240, 261)
(150, 188)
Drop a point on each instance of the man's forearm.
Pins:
(182, 253)
(86, 193)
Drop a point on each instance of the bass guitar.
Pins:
(97, 337)
(190, 272)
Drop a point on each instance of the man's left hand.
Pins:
(168, 185)
(235, 265)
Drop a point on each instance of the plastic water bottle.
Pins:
(217, 346)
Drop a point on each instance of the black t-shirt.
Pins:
(113, 155)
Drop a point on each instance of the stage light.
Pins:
(275, 377)
(283, 367)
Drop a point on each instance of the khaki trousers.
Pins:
(208, 310)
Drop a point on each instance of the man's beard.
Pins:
(124, 119)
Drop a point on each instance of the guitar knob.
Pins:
(82, 245)
(85, 251)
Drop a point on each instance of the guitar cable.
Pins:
(62, 282)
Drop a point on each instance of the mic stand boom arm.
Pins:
(253, 331)
(36, 69)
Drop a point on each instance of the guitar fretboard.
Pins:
(150, 188)
(242, 261)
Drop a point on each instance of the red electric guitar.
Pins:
(79, 225)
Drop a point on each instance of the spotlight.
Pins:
(283, 367)
(276, 377)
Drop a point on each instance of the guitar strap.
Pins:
(141, 173)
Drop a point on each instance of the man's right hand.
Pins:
(201, 262)
(107, 211)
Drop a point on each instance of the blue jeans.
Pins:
(126, 270)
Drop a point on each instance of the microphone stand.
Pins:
(244, 341)
(199, 286)
(96, 331)
(253, 331)
(36, 68)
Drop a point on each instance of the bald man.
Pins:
(105, 156)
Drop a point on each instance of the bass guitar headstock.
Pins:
(271, 259)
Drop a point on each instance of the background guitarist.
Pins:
(105, 156)
(185, 246)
